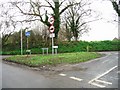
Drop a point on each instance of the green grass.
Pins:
(39, 60)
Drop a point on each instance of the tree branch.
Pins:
(62, 2)
(29, 20)
(68, 7)
(50, 5)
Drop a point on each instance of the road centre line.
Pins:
(62, 74)
(78, 79)
(103, 81)
(102, 74)
(74, 78)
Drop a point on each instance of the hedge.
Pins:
(80, 46)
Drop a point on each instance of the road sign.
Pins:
(51, 20)
(52, 35)
(55, 47)
(27, 33)
(51, 29)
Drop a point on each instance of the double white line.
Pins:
(96, 79)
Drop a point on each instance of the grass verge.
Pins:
(40, 60)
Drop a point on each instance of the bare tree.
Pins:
(7, 24)
(74, 19)
(37, 10)
(64, 34)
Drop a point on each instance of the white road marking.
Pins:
(78, 79)
(62, 74)
(114, 78)
(96, 79)
(105, 61)
(98, 85)
(102, 74)
(103, 82)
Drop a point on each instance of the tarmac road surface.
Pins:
(98, 73)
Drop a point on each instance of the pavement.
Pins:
(98, 73)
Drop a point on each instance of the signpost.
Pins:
(27, 34)
(51, 20)
(52, 35)
(51, 29)
(21, 44)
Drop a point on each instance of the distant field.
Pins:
(39, 60)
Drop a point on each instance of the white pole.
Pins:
(21, 44)
(52, 46)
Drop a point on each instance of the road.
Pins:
(98, 73)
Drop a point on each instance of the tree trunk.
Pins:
(76, 39)
(57, 19)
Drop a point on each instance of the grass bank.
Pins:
(40, 60)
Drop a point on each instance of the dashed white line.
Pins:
(62, 74)
(103, 81)
(74, 78)
(78, 79)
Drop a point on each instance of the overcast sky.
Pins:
(104, 29)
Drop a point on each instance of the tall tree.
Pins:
(51, 7)
(7, 24)
(74, 19)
